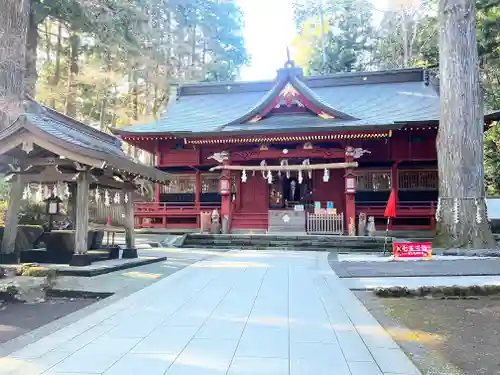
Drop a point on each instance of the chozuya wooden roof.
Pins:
(41, 131)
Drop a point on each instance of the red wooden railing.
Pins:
(403, 209)
(162, 208)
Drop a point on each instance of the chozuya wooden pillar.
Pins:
(8, 254)
(130, 251)
(80, 257)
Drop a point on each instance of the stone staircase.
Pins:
(286, 242)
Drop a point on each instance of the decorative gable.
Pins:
(290, 100)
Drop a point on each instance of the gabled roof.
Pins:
(74, 140)
(338, 102)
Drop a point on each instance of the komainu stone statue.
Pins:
(362, 224)
(352, 227)
(370, 228)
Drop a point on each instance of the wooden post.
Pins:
(197, 190)
(130, 251)
(225, 204)
(81, 258)
(8, 253)
(157, 164)
(350, 201)
(72, 202)
(239, 187)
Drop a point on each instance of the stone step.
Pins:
(294, 242)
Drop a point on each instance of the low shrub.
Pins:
(39, 272)
(444, 292)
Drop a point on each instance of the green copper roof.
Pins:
(357, 99)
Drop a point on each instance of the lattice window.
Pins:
(373, 180)
(418, 180)
(180, 184)
(209, 183)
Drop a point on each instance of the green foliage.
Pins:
(37, 271)
(346, 42)
(417, 29)
(492, 159)
(124, 54)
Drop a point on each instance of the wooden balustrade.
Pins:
(173, 208)
(404, 209)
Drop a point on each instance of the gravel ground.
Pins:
(452, 337)
(461, 267)
(19, 318)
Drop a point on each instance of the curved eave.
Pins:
(21, 130)
(265, 102)
(338, 129)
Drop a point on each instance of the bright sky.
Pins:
(269, 29)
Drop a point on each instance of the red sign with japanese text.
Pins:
(412, 250)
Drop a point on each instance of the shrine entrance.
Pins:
(290, 190)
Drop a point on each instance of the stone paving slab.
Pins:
(280, 313)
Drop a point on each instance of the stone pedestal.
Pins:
(81, 260)
(287, 221)
(129, 253)
(9, 258)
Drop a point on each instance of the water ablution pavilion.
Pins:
(59, 156)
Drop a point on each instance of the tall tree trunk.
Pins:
(14, 19)
(73, 71)
(57, 68)
(31, 74)
(461, 214)
(102, 114)
(48, 45)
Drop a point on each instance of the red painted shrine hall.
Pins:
(267, 154)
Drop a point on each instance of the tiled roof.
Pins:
(71, 136)
(372, 98)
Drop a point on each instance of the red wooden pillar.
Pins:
(350, 201)
(225, 207)
(158, 163)
(394, 186)
(197, 189)
(238, 190)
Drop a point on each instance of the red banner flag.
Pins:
(390, 209)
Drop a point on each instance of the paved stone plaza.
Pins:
(241, 313)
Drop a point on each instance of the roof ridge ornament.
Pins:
(289, 64)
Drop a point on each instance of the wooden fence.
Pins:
(99, 213)
(325, 223)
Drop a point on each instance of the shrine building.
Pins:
(284, 155)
